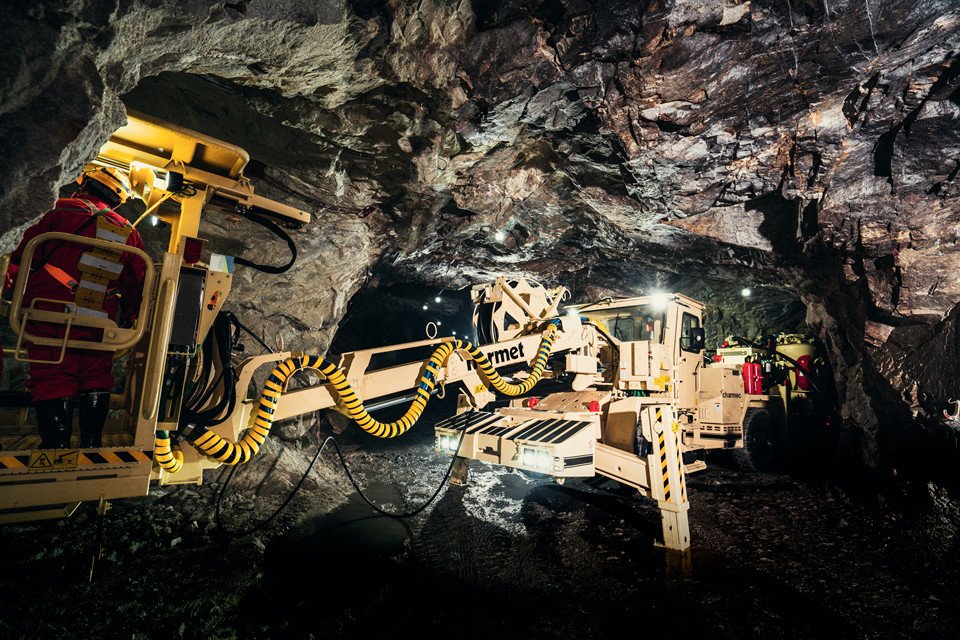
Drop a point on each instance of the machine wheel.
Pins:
(759, 451)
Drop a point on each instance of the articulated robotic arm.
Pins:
(512, 319)
(519, 317)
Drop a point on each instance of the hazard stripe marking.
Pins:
(88, 459)
(683, 492)
(14, 462)
(578, 461)
(663, 461)
(464, 420)
(569, 432)
(109, 456)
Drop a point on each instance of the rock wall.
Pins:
(802, 144)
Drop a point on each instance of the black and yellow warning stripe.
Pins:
(222, 450)
(664, 466)
(662, 448)
(84, 458)
(683, 489)
(664, 463)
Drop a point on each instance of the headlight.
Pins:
(543, 460)
(448, 443)
(529, 457)
(536, 458)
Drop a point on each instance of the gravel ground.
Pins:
(508, 556)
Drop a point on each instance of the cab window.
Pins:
(688, 323)
(628, 324)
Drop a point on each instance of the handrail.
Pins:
(4, 267)
(63, 343)
(125, 338)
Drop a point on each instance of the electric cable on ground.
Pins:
(343, 463)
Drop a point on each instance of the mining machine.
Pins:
(636, 390)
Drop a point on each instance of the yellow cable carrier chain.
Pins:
(222, 450)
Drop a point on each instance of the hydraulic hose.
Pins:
(276, 230)
(230, 453)
(217, 348)
(169, 459)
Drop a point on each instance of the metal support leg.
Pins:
(460, 475)
(667, 477)
(97, 555)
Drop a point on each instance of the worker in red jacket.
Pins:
(100, 283)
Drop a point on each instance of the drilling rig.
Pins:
(639, 392)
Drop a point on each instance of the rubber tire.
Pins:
(759, 451)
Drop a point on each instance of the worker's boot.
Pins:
(94, 406)
(55, 421)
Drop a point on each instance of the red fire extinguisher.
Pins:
(752, 378)
(803, 369)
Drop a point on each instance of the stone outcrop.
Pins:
(808, 145)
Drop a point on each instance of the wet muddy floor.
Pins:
(508, 556)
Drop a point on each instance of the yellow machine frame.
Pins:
(36, 484)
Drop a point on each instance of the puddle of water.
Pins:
(352, 527)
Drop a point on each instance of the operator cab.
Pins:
(649, 337)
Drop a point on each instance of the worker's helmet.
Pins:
(115, 180)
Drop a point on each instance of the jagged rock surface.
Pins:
(811, 145)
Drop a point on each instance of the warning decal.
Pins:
(53, 459)
(69, 459)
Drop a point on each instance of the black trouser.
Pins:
(55, 419)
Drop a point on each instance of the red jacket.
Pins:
(72, 215)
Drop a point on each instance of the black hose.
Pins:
(239, 325)
(278, 231)
(206, 352)
(408, 514)
(606, 336)
(356, 486)
(224, 339)
(218, 345)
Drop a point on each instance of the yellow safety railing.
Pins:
(114, 337)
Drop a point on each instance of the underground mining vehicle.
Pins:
(642, 394)
(638, 393)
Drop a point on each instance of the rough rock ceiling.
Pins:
(803, 143)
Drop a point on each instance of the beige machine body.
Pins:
(641, 397)
(637, 391)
